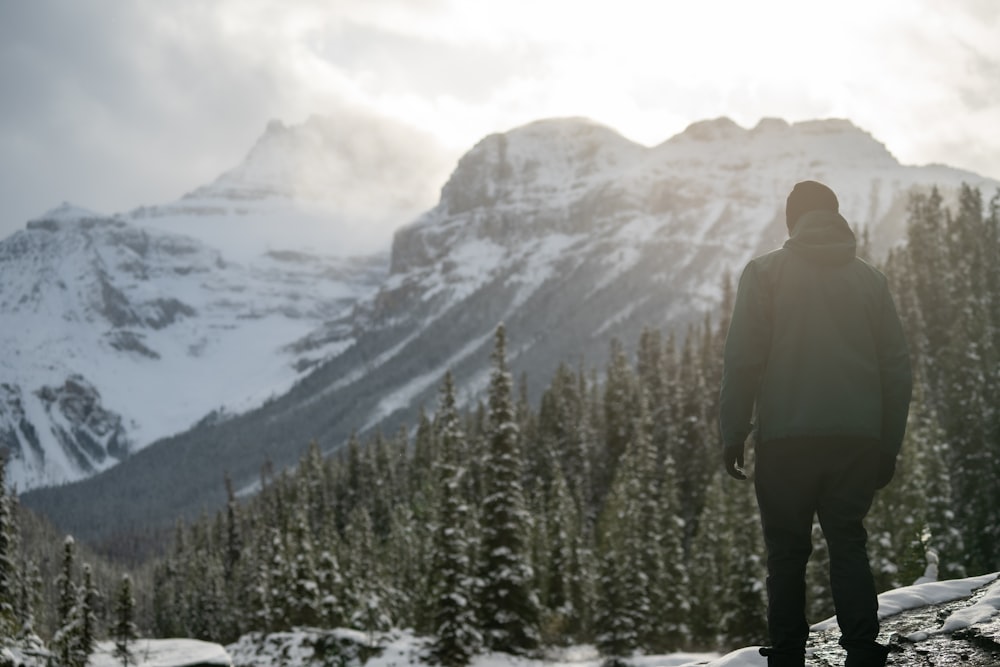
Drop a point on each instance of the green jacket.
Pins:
(815, 344)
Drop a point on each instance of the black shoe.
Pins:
(871, 655)
(779, 658)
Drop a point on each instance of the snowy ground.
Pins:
(947, 622)
(914, 617)
(164, 653)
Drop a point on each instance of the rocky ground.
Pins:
(916, 638)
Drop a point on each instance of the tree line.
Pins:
(599, 515)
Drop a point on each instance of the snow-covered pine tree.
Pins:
(673, 609)
(562, 621)
(619, 392)
(380, 494)
(616, 628)
(710, 553)
(8, 571)
(304, 596)
(509, 606)
(645, 582)
(897, 523)
(744, 600)
(693, 437)
(424, 454)
(331, 586)
(205, 586)
(368, 611)
(407, 560)
(65, 641)
(124, 632)
(456, 634)
(941, 538)
(273, 583)
(87, 603)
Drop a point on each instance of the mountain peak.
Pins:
(716, 129)
(68, 212)
(825, 140)
(275, 126)
(65, 216)
(532, 161)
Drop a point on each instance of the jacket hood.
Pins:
(823, 237)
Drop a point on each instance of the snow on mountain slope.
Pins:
(115, 336)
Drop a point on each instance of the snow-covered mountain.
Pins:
(562, 229)
(121, 330)
(119, 336)
(572, 234)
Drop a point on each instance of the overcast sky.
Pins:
(111, 104)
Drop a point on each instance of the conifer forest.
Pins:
(599, 515)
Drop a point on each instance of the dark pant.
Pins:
(833, 478)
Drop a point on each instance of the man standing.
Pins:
(816, 358)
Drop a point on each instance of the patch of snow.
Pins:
(895, 601)
(984, 609)
(745, 657)
(164, 653)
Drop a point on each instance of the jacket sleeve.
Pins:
(895, 374)
(746, 351)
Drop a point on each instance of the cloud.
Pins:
(109, 104)
(113, 104)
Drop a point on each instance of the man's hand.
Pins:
(732, 458)
(886, 470)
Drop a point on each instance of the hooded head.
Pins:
(809, 196)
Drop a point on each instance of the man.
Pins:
(816, 356)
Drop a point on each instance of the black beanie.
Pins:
(808, 196)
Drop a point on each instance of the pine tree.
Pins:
(711, 553)
(407, 559)
(8, 572)
(644, 581)
(509, 607)
(367, 599)
(331, 585)
(87, 604)
(125, 632)
(457, 637)
(67, 637)
(563, 621)
(304, 596)
(619, 393)
(616, 628)
(692, 441)
(234, 541)
(673, 611)
(276, 580)
(743, 618)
